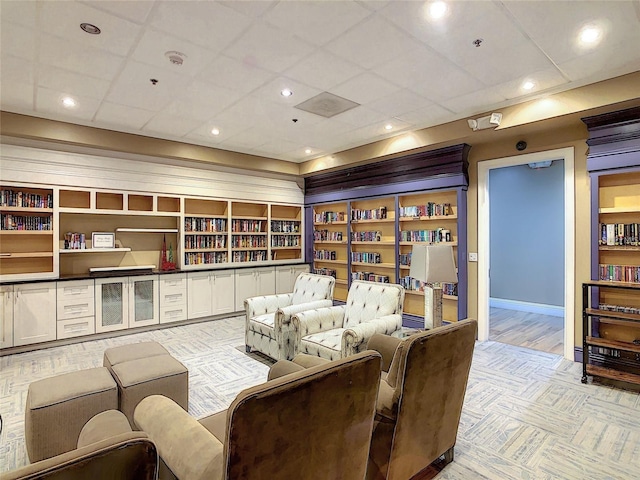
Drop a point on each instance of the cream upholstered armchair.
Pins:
(268, 318)
(313, 424)
(342, 330)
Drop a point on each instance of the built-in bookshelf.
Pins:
(205, 232)
(27, 229)
(286, 232)
(249, 232)
(330, 245)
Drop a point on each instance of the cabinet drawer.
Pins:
(76, 327)
(73, 290)
(173, 298)
(173, 313)
(75, 308)
(173, 284)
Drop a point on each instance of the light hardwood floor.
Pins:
(530, 330)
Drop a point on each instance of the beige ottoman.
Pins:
(159, 375)
(58, 407)
(133, 351)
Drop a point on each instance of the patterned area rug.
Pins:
(526, 414)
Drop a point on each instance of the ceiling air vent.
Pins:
(327, 105)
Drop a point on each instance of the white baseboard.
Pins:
(529, 307)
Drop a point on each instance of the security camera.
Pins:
(521, 145)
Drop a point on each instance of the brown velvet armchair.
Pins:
(314, 424)
(419, 404)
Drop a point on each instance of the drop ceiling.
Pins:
(404, 69)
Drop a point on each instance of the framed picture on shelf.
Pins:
(103, 240)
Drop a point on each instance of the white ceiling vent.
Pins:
(327, 105)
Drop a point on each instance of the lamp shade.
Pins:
(433, 263)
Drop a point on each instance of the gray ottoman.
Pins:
(158, 375)
(133, 351)
(58, 407)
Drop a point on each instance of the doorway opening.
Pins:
(517, 286)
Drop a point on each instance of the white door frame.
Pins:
(566, 154)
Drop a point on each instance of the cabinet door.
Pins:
(112, 302)
(6, 316)
(199, 295)
(266, 281)
(246, 281)
(223, 294)
(34, 313)
(284, 279)
(143, 301)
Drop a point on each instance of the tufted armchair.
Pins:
(268, 318)
(340, 331)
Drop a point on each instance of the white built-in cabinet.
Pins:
(286, 277)
(34, 313)
(126, 302)
(76, 309)
(254, 282)
(173, 297)
(210, 293)
(6, 316)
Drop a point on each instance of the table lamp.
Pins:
(433, 264)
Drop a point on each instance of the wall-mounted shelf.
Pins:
(95, 250)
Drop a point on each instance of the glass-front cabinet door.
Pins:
(112, 301)
(143, 301)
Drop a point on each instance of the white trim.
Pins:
(529, 307)
(566, 154)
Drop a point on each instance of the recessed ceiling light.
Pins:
(69, 102)
(437, 10)
(286, 92)
(177, 58)
(92, 29)
(590, 35)
(307, 151)
(388, 126)
(215, 131)
(528, 85)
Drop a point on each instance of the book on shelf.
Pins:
(13, 198)
(620, 234)
(374, 214)
(430, 209)
(619, 273)
(329, 217)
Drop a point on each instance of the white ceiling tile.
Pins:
(427, 116)
(154, 45)
(323, 70)
(133, 87)
(317, 22)
(269, 48)
(271, 92)
(118, 35)
(16, 96)
(19, 11)
(208, 24)
(372, 42)
(543, 80)
(250, 138)
(18, 41)
(201, 101)
(594, 65)
(72, 83)
(16, 69)
(76, 57)
(464, 104)
(398, 103)
(227, 130)
(447, 82)
(361, 116)
(50, 102)
(251, 8)
(279, 147)
(417, 66)
(238, 75)
(365, 88)
(134, 10)
(170, 125)
(115, 115)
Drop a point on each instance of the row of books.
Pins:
(324, 255)
(410, 283)
(374, 214)
(21, 222)
(366, 257)
(248, 241)
(250, 256)
(74, 241)
(620, 234)
(205, 241)
(405, 259)
(198, 224)
(285, 226)
(247, 226)
(327, 235)
(431, 209)
(325, 271)
(200, 258)
(619, 308)
(620, 273)
(285, 241)
(370, 277)
(12, 198)
(375, 236)
(329, 217)
(431, 236)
